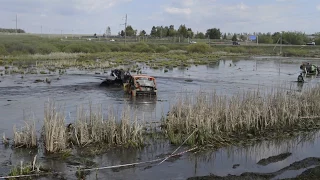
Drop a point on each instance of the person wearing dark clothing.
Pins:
(300, 78)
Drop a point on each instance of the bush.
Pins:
(76, 48)
(162, 49)
(3, 50)
(295, 52)
(20, 48)
(46, 48)
(198, 48)
(142, 47)
(235, 49)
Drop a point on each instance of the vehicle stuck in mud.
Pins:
(141, 85)
(116, 78)
(133, 84)
(309, 69)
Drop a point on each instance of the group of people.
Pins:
(308, 69)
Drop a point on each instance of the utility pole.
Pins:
(16, 24)
(125, 31)
(281, 43)
(16, 20)
(41, 30)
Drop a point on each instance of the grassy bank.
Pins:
(31, 45)
(242, 118)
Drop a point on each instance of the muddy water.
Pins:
(225, 77)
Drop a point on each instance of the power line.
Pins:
(125, 29)
(16, 20)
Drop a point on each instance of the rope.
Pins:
(179, 146)
(116, 166)
(100, 168)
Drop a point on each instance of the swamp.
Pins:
(221, 112)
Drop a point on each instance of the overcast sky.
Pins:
(93, 16)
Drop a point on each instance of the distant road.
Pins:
(185, 43)
(120, 40)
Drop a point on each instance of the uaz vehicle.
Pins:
(141, 85)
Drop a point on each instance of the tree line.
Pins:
(4, 30)
(294, 38)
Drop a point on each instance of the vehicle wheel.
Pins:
(133, 93)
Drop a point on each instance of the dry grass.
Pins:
(51, 56)
(26, 136)
(54, 130)
(5, 140)
(92, 127)
(250, 115)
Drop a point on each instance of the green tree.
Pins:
(213, 33)
(234, 37)
(225, 36)
(190, 33)
(200, 35)
(182, 31)
(153, 31)
(172, 32)
(142, 33)
(130, 31)
(265, 38)
(242, 37)
(122, 33)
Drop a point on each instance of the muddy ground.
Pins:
(225, 77)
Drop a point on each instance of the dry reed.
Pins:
(250, 115)
(54, 130)
(92, 127)
(26, 136)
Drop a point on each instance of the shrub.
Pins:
(162, 49)
(198, 48)
(295, 52)
(3, 50)
(46, 48)
(21, 48)
(142, 47)
(76, 48)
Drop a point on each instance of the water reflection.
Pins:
(221, 162)
(300, 86)
(143, 103)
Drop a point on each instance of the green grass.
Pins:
(32, 44)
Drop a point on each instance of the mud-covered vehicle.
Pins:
(141, 85)
(117, 77)
(309, 69)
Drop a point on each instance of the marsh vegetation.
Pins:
(222, 121)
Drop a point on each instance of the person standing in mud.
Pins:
(300, 78)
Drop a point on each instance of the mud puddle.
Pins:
(225, 77)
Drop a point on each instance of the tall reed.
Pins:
(245, 115)
(26, 136)
(92, 127)
(54, 130)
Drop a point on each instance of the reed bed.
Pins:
(89, 128)
(26, 136)
(245, 116)
(92, 127)
(54, 129)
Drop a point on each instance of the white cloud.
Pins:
(318, 7)
(96, 5)
(174, 10)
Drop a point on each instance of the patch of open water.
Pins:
(225, 77)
